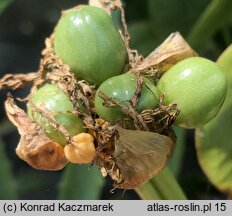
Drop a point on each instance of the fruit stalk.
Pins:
(161, 187)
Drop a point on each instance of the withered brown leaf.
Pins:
(34, 146)
(15, 81)
(171, 51)
(140, 155)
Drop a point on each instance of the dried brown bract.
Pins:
(34, 147)
(171, 51)
(140, 155)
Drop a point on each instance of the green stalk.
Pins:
(161, 187)
(148, 192)
(216, 15)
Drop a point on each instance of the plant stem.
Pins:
(215, 16)
(162, 187)
(148, 192)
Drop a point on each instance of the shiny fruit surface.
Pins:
(198, 87)
(122, 88)
(86, 39)
(51, 99)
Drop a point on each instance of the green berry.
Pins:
(198, 87)
(122, 88)
(57, 103)
(86, 39)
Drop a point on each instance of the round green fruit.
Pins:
(122, 88)
(86, 39)
(198, 87)
(56, 102)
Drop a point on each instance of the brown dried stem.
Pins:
(50, 116)
(137, 94)
(161, 118)
(15, 81)
(128, 110)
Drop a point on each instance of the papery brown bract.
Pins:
(171, 51)
(140, 155)
(34, 146)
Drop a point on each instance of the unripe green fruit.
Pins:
(87, 40)
(122, 88)
(57, 103)
(198, 87)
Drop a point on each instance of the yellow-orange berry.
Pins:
(81, 149)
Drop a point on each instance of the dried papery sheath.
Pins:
(132, 157)
(34, 146)
(171, 51)
(140, 155)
